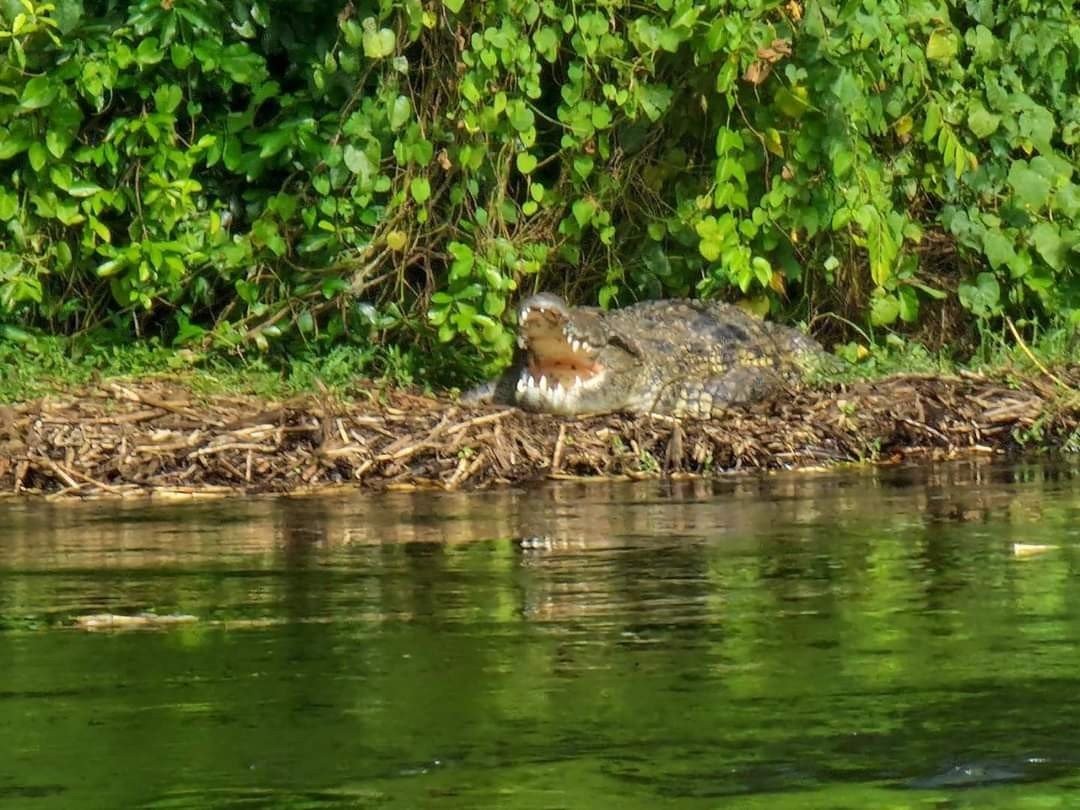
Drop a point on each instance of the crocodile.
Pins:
(675, 357)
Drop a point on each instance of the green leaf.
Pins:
(38, 156)
(82, 188)
(982, 122)
(464, 258)
(525, 162)
(521, 117)
(998, 248)
(909, 304)
(9, 205)
(942, 46)
(601, 116)
(884, 309)
(842, 161)
(111, 267)
(728, 140)
(547, 42)
(1037, 123)
(654, 99)
(420, 189)
(982, 297)
(583, 210)
(61, 176)
(181, 55)
(37, 93)
(583, 166)
(762, 270)
(1068, 200)
(792, 103)
(12, 144)
(982, 42)
(167, 98)
(1031, 187)
(1046, 237)
(273, 142)
(56, 142)
(710, 249)
(454, 5)
(65, 118)
(378, 44)
(149, 52)
(932, 123)
(400, 112)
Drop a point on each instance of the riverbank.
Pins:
(162, 438)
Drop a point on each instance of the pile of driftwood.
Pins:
(159, 438)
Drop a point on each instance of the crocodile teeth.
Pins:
(543, 384)
(521, 384)
(575, 344)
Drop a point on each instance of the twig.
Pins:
(1035, 360)
(556, 456)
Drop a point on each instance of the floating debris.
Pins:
(118, 621)
(1031, 549)
(161, 439)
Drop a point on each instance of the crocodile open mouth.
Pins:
(560, 365)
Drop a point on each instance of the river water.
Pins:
(900, 638)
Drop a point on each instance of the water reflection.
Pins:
(797, 640)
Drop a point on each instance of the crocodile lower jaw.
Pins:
(556, 394)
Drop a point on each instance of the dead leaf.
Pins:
(775, 51)
(757, 72)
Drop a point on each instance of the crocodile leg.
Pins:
(499, 391)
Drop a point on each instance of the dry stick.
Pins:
(479, 420)
(464, 471)
(338, 452)
(425, 443)
(556, 456)
(925, 427)
(409, 440)
(86, 478)
(221, 448)
(126, 419)
(152, 401)
(404, 452)
(674, 454)
(60, 472)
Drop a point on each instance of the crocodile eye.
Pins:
(625, 345)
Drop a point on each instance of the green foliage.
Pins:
(263, 174)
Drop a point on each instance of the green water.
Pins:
(801, 640)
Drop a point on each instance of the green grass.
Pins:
(38, 366)
(998, 353)
(32, 366)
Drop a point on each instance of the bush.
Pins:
(265, 172)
